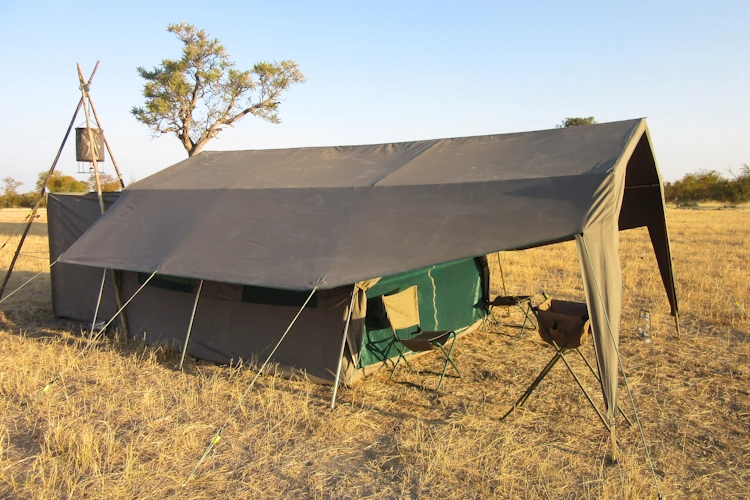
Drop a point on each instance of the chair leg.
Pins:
(578, 381)
(448, 360)
(529, 314)
(533, 385)
(527, 317)
(401, 356)
(593, 372)
(395, 366)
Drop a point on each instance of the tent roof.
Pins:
(526, 155)
(296, 218)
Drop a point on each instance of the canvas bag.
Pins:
(560, 320)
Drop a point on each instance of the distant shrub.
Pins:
(710, 185)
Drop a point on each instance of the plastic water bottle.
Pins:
(644, 326)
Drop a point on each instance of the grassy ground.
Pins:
(122, 423)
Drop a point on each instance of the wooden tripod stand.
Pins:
(85, 102)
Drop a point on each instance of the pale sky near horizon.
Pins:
(390, 71)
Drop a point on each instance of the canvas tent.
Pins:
(333, 217)
(238, 322)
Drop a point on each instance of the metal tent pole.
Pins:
(190, 326)
(98, 303)
(343, 343)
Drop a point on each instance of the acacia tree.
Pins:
(197, 96)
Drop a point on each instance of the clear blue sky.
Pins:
(391, 71)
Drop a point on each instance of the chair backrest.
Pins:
(402, 309)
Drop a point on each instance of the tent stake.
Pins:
(343, 343)
(40, 197)
(190, 326)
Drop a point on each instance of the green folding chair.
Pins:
(402, 311)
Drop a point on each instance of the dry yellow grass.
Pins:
(122, 423)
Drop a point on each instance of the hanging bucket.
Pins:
(83, 145)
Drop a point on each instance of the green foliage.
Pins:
(710, 185)
(109, 183)
(12, 198)
(58, 182)
(197, 96)
(576, 122)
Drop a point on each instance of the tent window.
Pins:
(277, 297)
(174, 283)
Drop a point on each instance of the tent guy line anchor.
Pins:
(217, 436)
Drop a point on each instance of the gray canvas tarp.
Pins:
(298, 218)
(75, 288)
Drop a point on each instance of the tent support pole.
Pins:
(122, 308)
(190, 326)
(343, 344)
(84, 97)
(502, 279)
(98, 303)
(40, 197)
(622, 368)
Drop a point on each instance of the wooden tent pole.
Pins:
(95, 154)
(40, 197)
(343, 343)
(92, 142)
(106, 142)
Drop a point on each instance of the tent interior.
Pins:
(263, 228)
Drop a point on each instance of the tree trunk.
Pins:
(197, 148)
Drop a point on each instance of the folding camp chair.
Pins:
(564, 326)
(402, 311)
(523, 302)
